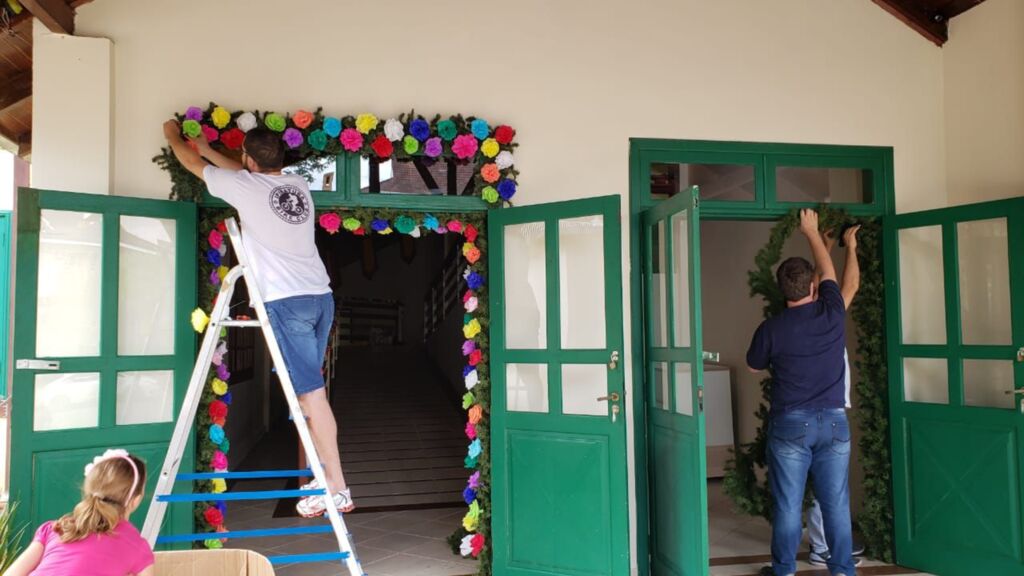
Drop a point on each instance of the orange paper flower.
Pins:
(302, 119)
(475, 414)
(490, 173)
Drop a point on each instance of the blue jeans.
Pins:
(815, 443)
(301, 325)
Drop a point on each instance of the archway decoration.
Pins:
(745, 481)
(312, 136)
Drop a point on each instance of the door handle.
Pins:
(613, 397)
(37, 364)
(613, 362)
(710, 356)
(1018, 391)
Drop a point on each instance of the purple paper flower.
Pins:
(292, 137)
(469, 495)
(468, 347)
(474, 281)
(420, 129)
(474, 480)
(507, 189)
(194, 113)
(222, 372)
(379, 225)
(213, 257)
(215, 277)
(434, 148)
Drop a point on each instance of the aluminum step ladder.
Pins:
(162, 496)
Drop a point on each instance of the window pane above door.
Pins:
(581, 282)
(823, 185)
(922, 299)
(984, 270)
(70, 280)
(525, 286)
(718, 182)
(145, 320)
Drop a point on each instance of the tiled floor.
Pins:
(409, 543)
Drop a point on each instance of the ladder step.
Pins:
(325, 529)
(232, 496)
(245, 475)
(240, 323)
(299, 558)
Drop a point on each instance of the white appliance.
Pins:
(718, 427)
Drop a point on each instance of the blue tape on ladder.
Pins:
(245, 475)
(229, 496)
(324, 529)
(299, 558)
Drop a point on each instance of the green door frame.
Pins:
(5, 295)
(765, 158)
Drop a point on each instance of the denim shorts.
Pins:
(301, 325)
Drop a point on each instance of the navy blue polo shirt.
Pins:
(803, 346)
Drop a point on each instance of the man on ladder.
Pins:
(278, 218)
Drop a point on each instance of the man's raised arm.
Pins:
(851, 274)
(822, 259)
(188, 157)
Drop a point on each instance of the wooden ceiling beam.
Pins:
(55, 14)
(15, 89)
(934, 26)
(25, 145)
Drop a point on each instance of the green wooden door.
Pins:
(558, 437)
(955, 313)
(674, 376)
(103, 348)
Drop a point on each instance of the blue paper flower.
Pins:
(379, 225)
(216, 434)
(475, 449)
(466, 370)
(226, 398)
(474, 281)
(430, 222)
(223, 506)
(332, 127)
(469, 495)
(213, 257)
(480, 129)
(507, 189)
(420, 129)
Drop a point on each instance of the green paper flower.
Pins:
(275, 122)
(446, 129)
(468, 399)
(405, 224)
(470, 462)
(351, 224)
(410, 144)
(213, 544)
(489, 194)
(317, 140)
(191, 128)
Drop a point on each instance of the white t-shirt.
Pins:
(278, 230)
(846, 378)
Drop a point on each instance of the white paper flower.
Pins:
(246, 121)
(471, 304)
(394, 130)
(466, 547)
(416, 233)
(504, 160)
(223, 249)
(472, 379)
(108, 455)
(219, 352)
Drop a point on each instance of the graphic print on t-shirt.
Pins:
(289, 204)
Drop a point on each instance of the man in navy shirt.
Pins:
(808, 434)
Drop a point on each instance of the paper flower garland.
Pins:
(466, 140)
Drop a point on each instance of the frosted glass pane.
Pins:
(582, 385)
(69, 400)
(926, 380)
(525, 286)
(70, 275)
(986, 383)
(984, 281)
(684, 388)
(659, 305)
(145, 397)
(526, 387)
(145, 322)
(922, 299)
(659, 383)
(581, 281)
(681, 279)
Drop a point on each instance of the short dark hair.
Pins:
(265, 148)
(794, 277)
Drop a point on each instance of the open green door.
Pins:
(558, 433)
(103, 348)
(674, 377)
(955, 314)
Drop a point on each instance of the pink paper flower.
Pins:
(215, 239)
(470, 431)
(465, 146)
(351, 139)
(330, 222)
(455, 226)
(219, 460)
(211, 133)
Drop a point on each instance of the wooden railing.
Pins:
(444, 295)
(366, 321)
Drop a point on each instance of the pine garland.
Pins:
(745, 481)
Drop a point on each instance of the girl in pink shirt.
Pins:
(96, 538)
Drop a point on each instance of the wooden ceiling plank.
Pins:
(55, 14)
(16, 89)
(911, 14)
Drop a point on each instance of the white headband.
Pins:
(112, 455)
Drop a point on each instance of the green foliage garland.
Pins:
(744, 481)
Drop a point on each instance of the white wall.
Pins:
(984, 86)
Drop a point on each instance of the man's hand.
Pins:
(202, 145)
(828, 239)
(809, 222)
(172, 130)
(850, 237)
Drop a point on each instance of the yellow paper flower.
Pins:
(222, 272)
(365, 123)
(199, 320)
(471, 329)
(220, 117)
(467, 247)
(219, 486)
(219, 386)
(490, 148)
(470, 523)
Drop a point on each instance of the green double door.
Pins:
(103, 348)
(955, 314)
(674, 375)
(558, 437)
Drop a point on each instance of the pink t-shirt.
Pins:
(118, 554)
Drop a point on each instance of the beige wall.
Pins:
(984, 85)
